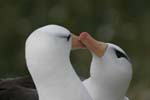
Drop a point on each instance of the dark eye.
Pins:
(120, 54)
(68, 37)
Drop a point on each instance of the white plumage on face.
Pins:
(110, 74)
(54, 30)
(114, 60)
(50, 39)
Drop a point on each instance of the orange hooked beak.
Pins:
(93, 45)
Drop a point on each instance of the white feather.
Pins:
(110, 76)
(48, 61)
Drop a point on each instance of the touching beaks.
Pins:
(87, 41)
(76, 43)
(93, 45)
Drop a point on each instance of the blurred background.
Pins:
(123, 22)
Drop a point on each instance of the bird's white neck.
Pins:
(51, 70)
(55, 83)
(102, 92)
(104, 83)
(58, 81)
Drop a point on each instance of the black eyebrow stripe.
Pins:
(67, 37)
(61, 36)
(121, 54)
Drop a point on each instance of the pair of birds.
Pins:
(47, 56)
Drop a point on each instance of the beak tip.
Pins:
(83, 35)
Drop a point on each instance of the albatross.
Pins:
(110, 71)
(47, 54)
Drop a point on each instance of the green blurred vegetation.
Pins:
(123, 22)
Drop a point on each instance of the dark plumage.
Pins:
(21, 88)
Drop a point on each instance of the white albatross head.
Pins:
(111, 70)
(47, 56)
